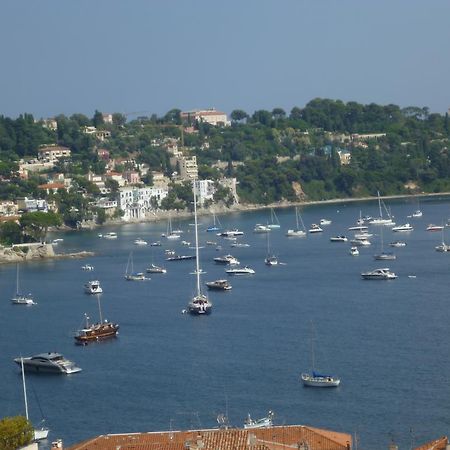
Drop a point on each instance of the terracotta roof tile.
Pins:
(274, 438)
(438, 444)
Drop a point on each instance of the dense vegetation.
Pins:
(15, 432)
(274, 155)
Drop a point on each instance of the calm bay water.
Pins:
(388, 341)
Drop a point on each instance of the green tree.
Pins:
(36, 224)
(10, 233)
(238, 115)
(97, 120)
(15, 432)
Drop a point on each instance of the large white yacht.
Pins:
(318, 380)
(227, 259)
(379, 274)
(93, 287)
(50, 362)
(240, 271)
(264, 422)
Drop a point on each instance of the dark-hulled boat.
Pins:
(96, 332)
(218, 285)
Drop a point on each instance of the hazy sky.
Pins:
(62, 56)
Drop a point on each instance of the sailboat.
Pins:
(316, 379)
(381, 220)
(417, 213)
(155, 269)
(274, 222)
(200, 304)
(130, 274)
(384, 256)
(39, 433)
(216, 225)
(297, 232)
(96, 331)
(443, 247)
(270, 260)
(171, 235)
(21, 299)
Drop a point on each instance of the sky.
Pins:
(139, 57)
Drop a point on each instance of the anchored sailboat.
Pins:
(200, 304)
(21, 299)
(316, 379)
(297, 232)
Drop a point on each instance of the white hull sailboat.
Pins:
(381, 220)
(130, 274)
(199, 304)
(21, 299)
(297, 232)
(39, 433)
(274, 222)
(271, 259)
(316, 379)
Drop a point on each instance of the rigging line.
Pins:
(30, 383)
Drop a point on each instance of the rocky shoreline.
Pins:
(35, 252)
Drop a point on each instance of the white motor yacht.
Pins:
(110, 235)
(397, 244)
(231, 233)
(50, 362)
(87, 267)
(433, 227)
(241, 271)
(227, 259)
(402, 228)
(379, 274)
(264, 422)
(325, 222)
(261, 228)
(315, 228)
(156, 269)
(93, 287)
(140, 241)
(340, 238)
(354, 251)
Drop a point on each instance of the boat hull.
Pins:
(96, 333)
(322, 382)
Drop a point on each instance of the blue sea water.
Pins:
(387, 341)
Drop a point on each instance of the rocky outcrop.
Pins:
(34, 252)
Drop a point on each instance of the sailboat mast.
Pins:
(379, 204)
(99, 309)
(197, 268)
(17, 279)
(24, 387)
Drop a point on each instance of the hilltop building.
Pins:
(211, 116)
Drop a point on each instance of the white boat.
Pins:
(417, 213)
(297, 232)
(156, 269)
(381, 220)
(432, 227)
(316, 379)
(382, 255)
(379, 274)
(227, 259)
(140, 241)
(403, 228)
(41, 433)
(274, 222)
(398, 244)
(239, 244)
(363, 235)
(199, 305)
(261, 228)
(442, 247)
(340, 238)
(50, 362)
(155, 244)
(110, 235)
(87, 267)
(270, 259)
(171, 234)
(359, 224)
(93, 287)
(354, 251)
(360, 242)
(264, 422)
(240, 271)
(21, 299)
(231, 233)
(315, 228)
(324, 222)
(130, 274)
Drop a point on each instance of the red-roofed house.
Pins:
(273, 438)
(52, 187)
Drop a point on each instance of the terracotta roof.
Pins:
(51, 186)
(438, 444)
(274, 438)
